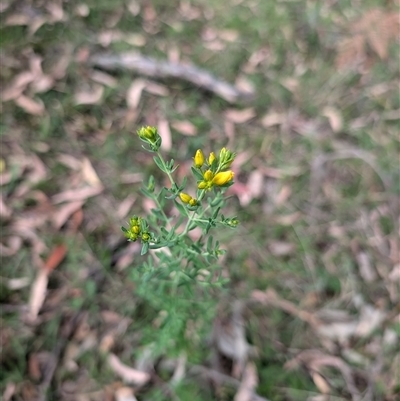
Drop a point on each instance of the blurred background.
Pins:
(306, 92)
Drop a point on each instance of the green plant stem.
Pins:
(166, 169)
(158, 204)
(191, 217)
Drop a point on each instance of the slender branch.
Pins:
(148, 66)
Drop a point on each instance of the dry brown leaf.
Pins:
(314, 361)
(240, 116)
(59, 69)
(230, 338)
(34, 107)
(281, 248)
(184, 127)
(134, 93)
(272, 118)
(180, 370)
(125, 206)
(165, 133)
(17, 86)
(215, 45)
(38, 293)
(375, 28)
(156, 89)
(134, 7)
(42, 84)
(335, 118)
(82, 10)
(283, 195)
(17, 19)
(105, 38)
(89, 96)
(17, 283)
(89, 174)
(229, 35)
(289, 219)
(255, 184)
(55, 258)
(69, 161)
(370, 319)
(77, 194)
(124, 394)
(367, 272)
(103, 78)
(248, 384)
(135, 39)
(34, 367)
(131, 178)
(244, 84)
(5, 211)
(62, 214)
(9, 391)
(270, 297)
(322, 385)
(130, 375)
(126, 258)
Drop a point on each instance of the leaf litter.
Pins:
(348, 331)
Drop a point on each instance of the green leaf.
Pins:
(124, 229)
(215, 214)
(182, 187)
(145, 192)
(181, 208)
(157, 213)
(164, 231)
(159, 163)
(197, 174)
(145, 248)
(209, 243)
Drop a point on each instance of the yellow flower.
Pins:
(223, 178)
(185, 198)
(208, 175)
(207, 182)
(198, 158)
(211, 158)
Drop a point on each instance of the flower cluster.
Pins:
(151, 137)
(185, 198)
(214, 170)
(138, 228)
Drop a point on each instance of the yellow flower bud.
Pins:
(199, 158)
(223, 178)
(193, 202)
(136, 229)
(145, 237)
(202, 185)
(208, 175)
(148, 132)
(211, 158)
(185, 198)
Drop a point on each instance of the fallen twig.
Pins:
(163, 69)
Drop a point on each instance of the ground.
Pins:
(312, 272)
